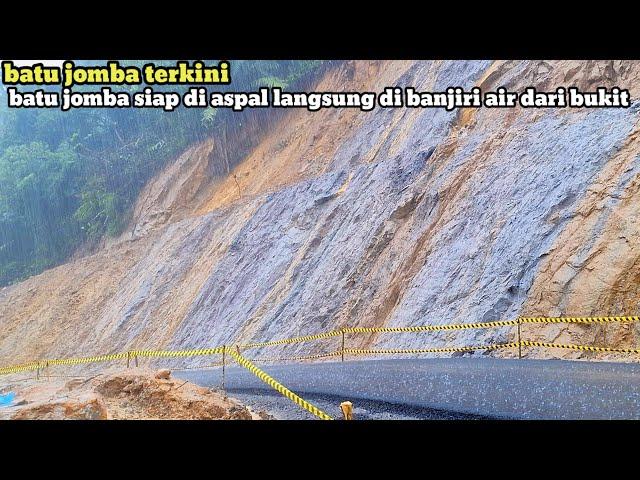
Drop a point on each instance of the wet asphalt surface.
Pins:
(281, 408)
(448, 388)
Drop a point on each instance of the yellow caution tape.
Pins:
(133, 354)
(526, 343)
(432, 328)
(278, 386)
(358, 351)
(436, 328)
(578, 319)
(307, 338)
(26, 367)
(175, 353)
(77, 361)
(424, 328)
(106, 358)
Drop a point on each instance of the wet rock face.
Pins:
(447, 224)
(393, 217)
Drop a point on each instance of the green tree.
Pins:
(71, 177)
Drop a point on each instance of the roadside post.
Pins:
(347, 410)
(519, 339)
(224, 353)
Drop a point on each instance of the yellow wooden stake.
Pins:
(347, 410)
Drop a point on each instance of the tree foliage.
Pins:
(67, 178)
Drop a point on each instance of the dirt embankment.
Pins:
(392, 217)
(136, 394)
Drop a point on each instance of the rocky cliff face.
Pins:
(393, 217)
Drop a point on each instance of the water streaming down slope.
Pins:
(391, 217)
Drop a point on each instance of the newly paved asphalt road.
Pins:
(457, 387)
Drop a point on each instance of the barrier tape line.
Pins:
(425, 328)
(25, 367)
(333, 333)
(176, 353)
(422, 328)
(435, 328)
(106, 358)
(588, 348)
(358, 351)
(76, 361)
(432, 328)
(578, 319)
(278, 386)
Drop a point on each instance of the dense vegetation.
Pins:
(69, 178)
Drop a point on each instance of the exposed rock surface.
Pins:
(393, 217)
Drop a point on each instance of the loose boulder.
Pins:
(163, 374)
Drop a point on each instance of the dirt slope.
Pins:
(134, 394)
(392, 217)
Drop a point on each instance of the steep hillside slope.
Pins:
(392, 217)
